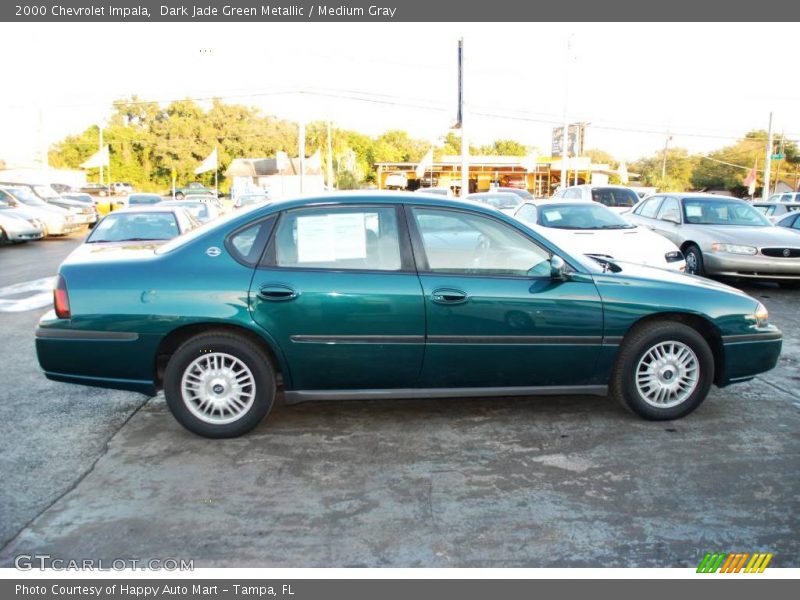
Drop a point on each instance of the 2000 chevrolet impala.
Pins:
(389, 295)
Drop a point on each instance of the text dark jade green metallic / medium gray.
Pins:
(383, 333)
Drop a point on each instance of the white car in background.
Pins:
(503, 201)
(599, 232)
(618, 198)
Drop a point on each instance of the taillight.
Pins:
(61, 299)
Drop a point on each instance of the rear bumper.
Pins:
(753, 267)
(109, 359)
(745, 356)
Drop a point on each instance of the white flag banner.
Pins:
(623, 172)
(282, 160)
(314, 162)
(98, 159)
(425, 164)
(209, 164)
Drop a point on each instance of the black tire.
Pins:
(179, 196)
(635, 347)
(3, 237)
(694, 256)
(790, 285)
(255, 359)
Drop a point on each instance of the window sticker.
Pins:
(693, 210)
(326, 238)
(553, 215)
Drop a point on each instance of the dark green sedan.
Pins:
(390, 295)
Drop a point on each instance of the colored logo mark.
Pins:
(734, 562)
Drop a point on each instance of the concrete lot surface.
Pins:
(465, 482)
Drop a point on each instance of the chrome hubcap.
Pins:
(218, 388)
(691, 262)
(667, 374)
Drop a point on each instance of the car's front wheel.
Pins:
(694, 261)
(219, 385)
(179, 196)
(664, 370)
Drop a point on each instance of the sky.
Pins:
(703, 84)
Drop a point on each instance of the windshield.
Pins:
(581, 216)
(614, 196)
(45, 191)
(132, 226)
(708, 211)
(500, 200)
(26, 196)
(524, 194)
(196, 209)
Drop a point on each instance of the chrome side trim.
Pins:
(752, 337)
(296, 396)
(574, 340)
(85, 334)
(359, 339)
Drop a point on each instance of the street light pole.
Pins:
(565, 132)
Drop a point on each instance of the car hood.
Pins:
(113, 251)
(17, 213)
(632, 272)
(638, 245)
(747, 236)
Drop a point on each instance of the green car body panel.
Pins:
(380, 330)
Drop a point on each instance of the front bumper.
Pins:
(753, 267)
(745, 356)
(25, 235)
(63, 228)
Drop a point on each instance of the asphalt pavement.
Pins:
(573, 481)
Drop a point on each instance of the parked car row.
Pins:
(703, 234)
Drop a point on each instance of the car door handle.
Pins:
(449, 296)
(276, 292)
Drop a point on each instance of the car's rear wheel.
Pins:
(219, 385)
(664, 370)
(3, 237)
(694, 261)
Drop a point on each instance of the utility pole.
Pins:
(664, 159)
(329, 162)
(565, 132)
(460, 123)
(767, 164)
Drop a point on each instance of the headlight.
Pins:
(734, 249)
(761, 315)
(673, 256)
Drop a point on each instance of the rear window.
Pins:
(615, 196)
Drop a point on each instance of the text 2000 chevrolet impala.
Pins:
(389, 296)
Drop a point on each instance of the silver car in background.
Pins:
(16, 225)
(723, 236)
(56, 220)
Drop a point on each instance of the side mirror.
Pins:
(558, 268)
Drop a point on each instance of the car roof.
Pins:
(145, 209)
